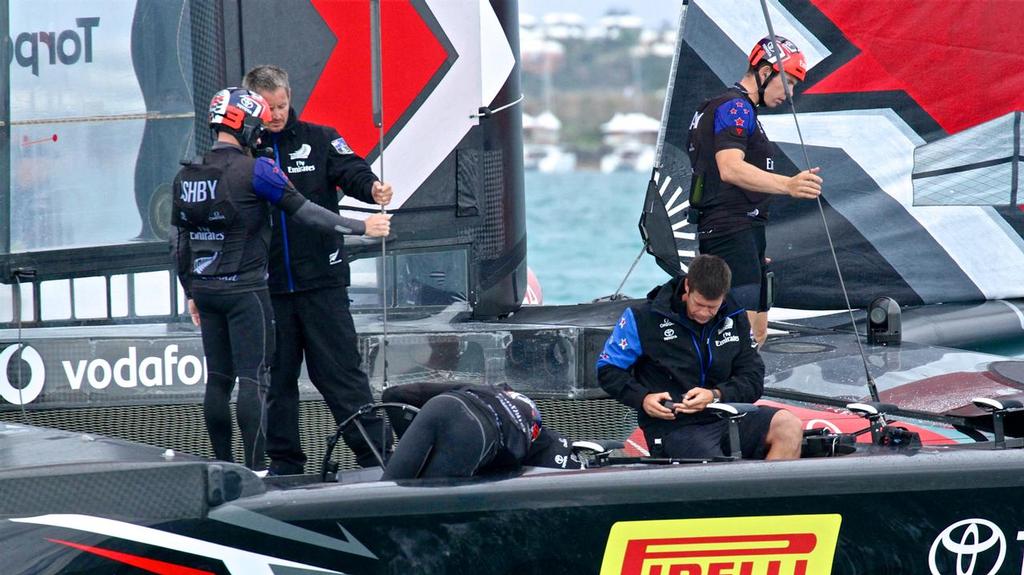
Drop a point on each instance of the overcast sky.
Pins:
(652, 11)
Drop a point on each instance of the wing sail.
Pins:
(921, 193)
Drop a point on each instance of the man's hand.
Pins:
(653, 407)
(381, 193)
(194, 312)
(695, 400)
(806, 185)
(378, 225)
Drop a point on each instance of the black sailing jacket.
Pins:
(318, 161)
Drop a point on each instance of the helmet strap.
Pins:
(762, 85)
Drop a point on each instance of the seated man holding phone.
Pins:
(686, 346)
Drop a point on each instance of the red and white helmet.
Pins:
(792, 58)
(241, 113)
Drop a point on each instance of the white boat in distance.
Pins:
(542, 151)
(631, 138)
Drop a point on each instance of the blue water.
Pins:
(582, 235)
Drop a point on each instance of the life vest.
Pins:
(203, 207)
(516, 416)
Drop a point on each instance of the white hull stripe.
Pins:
(236, 561)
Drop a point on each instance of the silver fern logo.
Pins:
(201, 264)
(725, 325)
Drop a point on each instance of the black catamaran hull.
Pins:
(924, 512)
(71, 504)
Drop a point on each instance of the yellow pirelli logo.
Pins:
(775, 545)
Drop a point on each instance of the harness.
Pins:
(203, 207)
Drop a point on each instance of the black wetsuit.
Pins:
(732, 220)
(309, 278)
(464, 430)
(221, 212)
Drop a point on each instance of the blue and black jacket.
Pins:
(655, 347)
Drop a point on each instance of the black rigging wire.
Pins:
(377, 73)
(872, 388)
(21, 346)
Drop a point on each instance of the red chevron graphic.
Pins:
(411, 55)
(947, 56)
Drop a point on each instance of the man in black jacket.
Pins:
(691, 345)
(309, 278)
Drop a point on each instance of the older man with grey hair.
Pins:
(309, 278)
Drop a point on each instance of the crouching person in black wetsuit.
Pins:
(222, 215)
(691, 344)
(464, 430)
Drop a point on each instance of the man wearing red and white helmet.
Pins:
(734, 176)
(240, 114)
(222, 218)
(765, 56)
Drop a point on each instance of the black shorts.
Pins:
(708, 440)
(743, 250)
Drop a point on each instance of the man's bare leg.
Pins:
(759, 325)
(785, 435)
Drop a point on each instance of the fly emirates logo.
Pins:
(780, 545)
(132, 371)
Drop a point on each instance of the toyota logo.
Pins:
(37, 372)
(964, 541)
